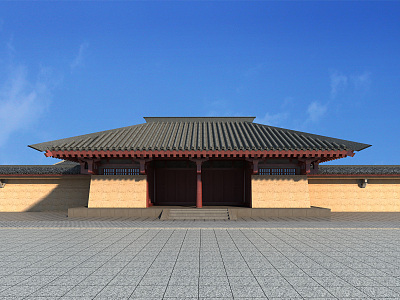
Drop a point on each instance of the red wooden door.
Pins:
(223, 186)
(175, 187)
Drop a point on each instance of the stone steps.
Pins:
(198, 214)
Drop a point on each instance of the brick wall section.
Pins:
(62, 192)
(345, 195)
(279, 191)
(44, 194)
(117, 191)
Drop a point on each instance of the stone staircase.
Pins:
(195, 214)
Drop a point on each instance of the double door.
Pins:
(178, 186)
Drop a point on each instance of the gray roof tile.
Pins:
(208, 133)
(359, 170)
(58, 169)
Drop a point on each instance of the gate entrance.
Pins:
(223, 183)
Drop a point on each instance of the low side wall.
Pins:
(312, 212)
(44, 193)
(289, 191)
(60, 193)
(346, 195)
(117, 191)
(84, 212)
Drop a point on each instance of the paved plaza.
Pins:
(350, 256)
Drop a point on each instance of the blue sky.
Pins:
(329, 68)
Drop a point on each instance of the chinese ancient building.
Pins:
(207, 162)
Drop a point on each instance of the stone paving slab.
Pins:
(337, 220)
(48, 257)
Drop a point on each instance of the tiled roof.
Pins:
(208, 133)
(358, 170)
(61, 168)
(65, 163)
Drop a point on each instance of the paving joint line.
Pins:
(205, 228)
(323, 266)
(65, 271)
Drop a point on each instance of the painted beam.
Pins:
(322, 155)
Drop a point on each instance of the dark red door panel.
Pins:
(223, 187)
(175, 187)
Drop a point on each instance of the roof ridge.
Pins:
(199, 119)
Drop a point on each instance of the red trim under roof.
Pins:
(322, 156)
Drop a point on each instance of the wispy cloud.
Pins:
(341, 83)
(277, 120)
(10, 47)
(316, 111)
(78, 60)
(338, 83)
(22, 101)
(361, 82)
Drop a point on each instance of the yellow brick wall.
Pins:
(341, 195)
(279, 191)
(61, 193)
(117, 191)
(44, 194)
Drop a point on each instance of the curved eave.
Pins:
(364, 146)
(321, 156)
(43, 147)
(37, 148)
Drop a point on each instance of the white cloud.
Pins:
(78, 61)
(338, 83)
(361, 82)
(349, 83)
(316, 111)
(342, 85)
(22, 102)
(277, 120)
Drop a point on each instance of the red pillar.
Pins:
(255, 167)
(148, 202)
(148, 174)
(142, 165)
(91, 167)
(144, 170)
(199, 197)
(83, 169)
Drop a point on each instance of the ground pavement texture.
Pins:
(350, 256)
